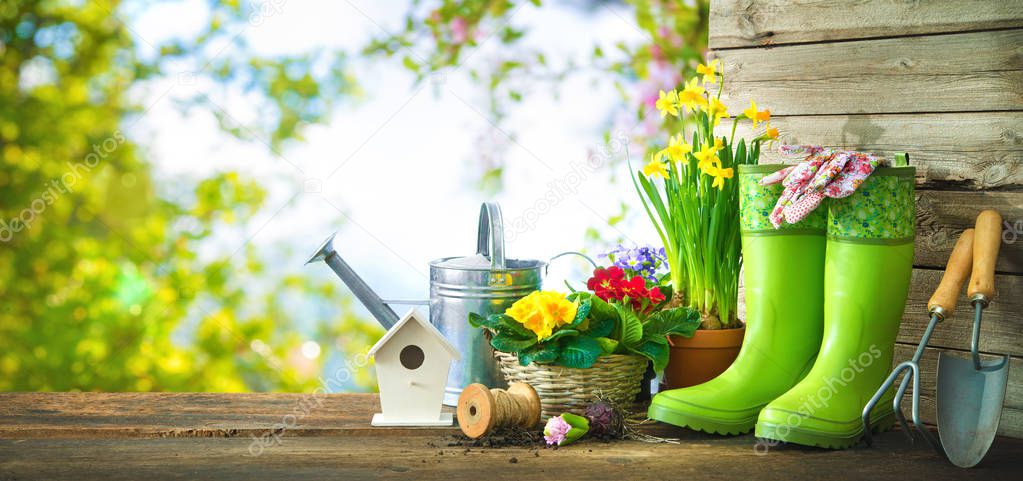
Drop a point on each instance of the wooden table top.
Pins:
(294, 436)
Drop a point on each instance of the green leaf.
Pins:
(655, 352)
(561, 333)
(581, 312)
(607, 345)
(410, 64)
(489, 322)
(601, 327)
(509, 325)
(630, 328)
(476, 320)
(544, 352)
(507, 343)
(579, 352)
(602, 310)
(579, 427)
(654, 337)
(681, 321)
(576, 421)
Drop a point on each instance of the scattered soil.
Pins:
(512, 437)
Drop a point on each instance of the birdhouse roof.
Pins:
(412, 315)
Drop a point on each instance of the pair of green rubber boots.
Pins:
(824, 298)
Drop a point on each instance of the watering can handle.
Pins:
(490, 236)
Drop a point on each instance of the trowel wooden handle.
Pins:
(958, 267)
(985, 252)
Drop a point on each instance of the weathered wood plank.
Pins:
(188, 414)
(106, 436)
(975, 150)
(429, 457)
(999, 333)
(1012, 411)
(943, 215)
(965, 72)
(748, 23)
(269, 416)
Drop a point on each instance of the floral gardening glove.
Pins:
(825, 173)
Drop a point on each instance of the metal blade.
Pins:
(969, 406)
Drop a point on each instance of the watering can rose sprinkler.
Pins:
(485, 283)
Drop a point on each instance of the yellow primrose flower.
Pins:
(717, 111)
(667, 103)
(719, 175)
(676, 150)
(554, 306)
(707, 156)
(692, 95)
(709, 71)
(656, 167)
(752, 114)
(542, 312)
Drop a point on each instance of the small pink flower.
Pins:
(656, 52)
(459, 30)
(555, 430)
(650, 100)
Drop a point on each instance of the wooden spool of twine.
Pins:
(481, 410)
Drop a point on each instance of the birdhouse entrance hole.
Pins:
(411, 357)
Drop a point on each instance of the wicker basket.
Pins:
(565, 389)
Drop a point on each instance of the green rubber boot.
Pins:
(783, 328)
(866, 281)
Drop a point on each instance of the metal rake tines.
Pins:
(911, 369)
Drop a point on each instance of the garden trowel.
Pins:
(970, 392)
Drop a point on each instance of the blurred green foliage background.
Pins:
(101, 283)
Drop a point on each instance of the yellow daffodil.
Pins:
(709, 71)
(656, 167)
(719, 175)
(542, 312)
(756, 116)
(676, 150)
(707, 156)
(667, 103)
(692, 95)
(717, 111)
(771, 132)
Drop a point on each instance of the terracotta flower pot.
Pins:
(700, 358)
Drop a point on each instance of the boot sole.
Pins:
(701, 423)
(820, 439)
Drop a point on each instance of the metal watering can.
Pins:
(486, 283)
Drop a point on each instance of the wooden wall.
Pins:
(940, 79)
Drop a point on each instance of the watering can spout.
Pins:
(380, 310)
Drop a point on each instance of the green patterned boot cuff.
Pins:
(881, 211)
(756, 202)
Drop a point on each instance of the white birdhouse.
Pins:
(412, 362)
